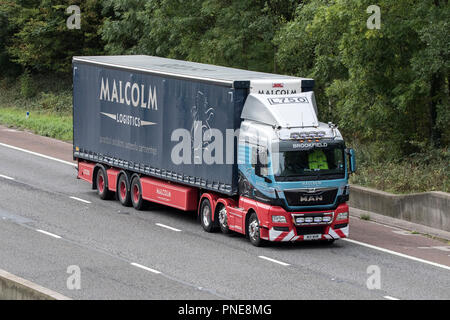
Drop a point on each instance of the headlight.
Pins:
(342, 216)
(317, 219)
(300, 220)
(281, 219)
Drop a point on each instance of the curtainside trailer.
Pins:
(244, 149)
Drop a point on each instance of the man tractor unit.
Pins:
(243, 149)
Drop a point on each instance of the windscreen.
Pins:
(312, 164)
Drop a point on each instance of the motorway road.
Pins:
(163, 253)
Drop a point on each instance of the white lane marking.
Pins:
(403, 232)
(78, 199)
(168, 227)
(442, 248)
(48, 233)
(38, 154)
(390, 298)
(6, 177)
(397, 254)
(145, 268)
(276, 261)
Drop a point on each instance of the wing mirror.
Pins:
(352, 160)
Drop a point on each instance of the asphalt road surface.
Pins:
(50, 222)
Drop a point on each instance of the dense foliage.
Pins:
(387, 88)
(232, 33)
(392, 82)
(39, 37)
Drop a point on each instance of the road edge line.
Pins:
(397, 253)
(38, 154)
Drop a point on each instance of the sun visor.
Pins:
(297, 110)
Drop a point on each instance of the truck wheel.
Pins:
(206, 216)
(253, 231)
(102, 189)
(123, 192)
(136, 194)
(223, 219)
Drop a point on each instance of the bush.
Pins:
(61, 103)
(427, 170)
(27, 87)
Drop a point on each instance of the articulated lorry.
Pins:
(243, 149)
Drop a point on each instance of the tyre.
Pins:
(123, 191)
(136, 194)
(223, 219)
(102, 182)
(253, 231)
(206, 216)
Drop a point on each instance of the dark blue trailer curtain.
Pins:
(126, 119)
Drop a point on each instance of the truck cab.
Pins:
(293, 170)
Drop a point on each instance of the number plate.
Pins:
(312, 236)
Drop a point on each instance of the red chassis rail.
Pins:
(187, 198)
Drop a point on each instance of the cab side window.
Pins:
(254, 158)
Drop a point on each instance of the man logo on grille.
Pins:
(310, 198)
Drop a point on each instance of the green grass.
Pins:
(39, 122)
(48, 99)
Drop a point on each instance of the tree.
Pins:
(233, 33)
(431, 67)
(7, 30)
(383, 85)
(123, 27)
(42, 41)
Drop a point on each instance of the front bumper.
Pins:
(290, 231)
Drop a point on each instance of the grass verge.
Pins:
(39, 122)
(48, 99)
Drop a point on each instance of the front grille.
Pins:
(301, 231)
(304, 197)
